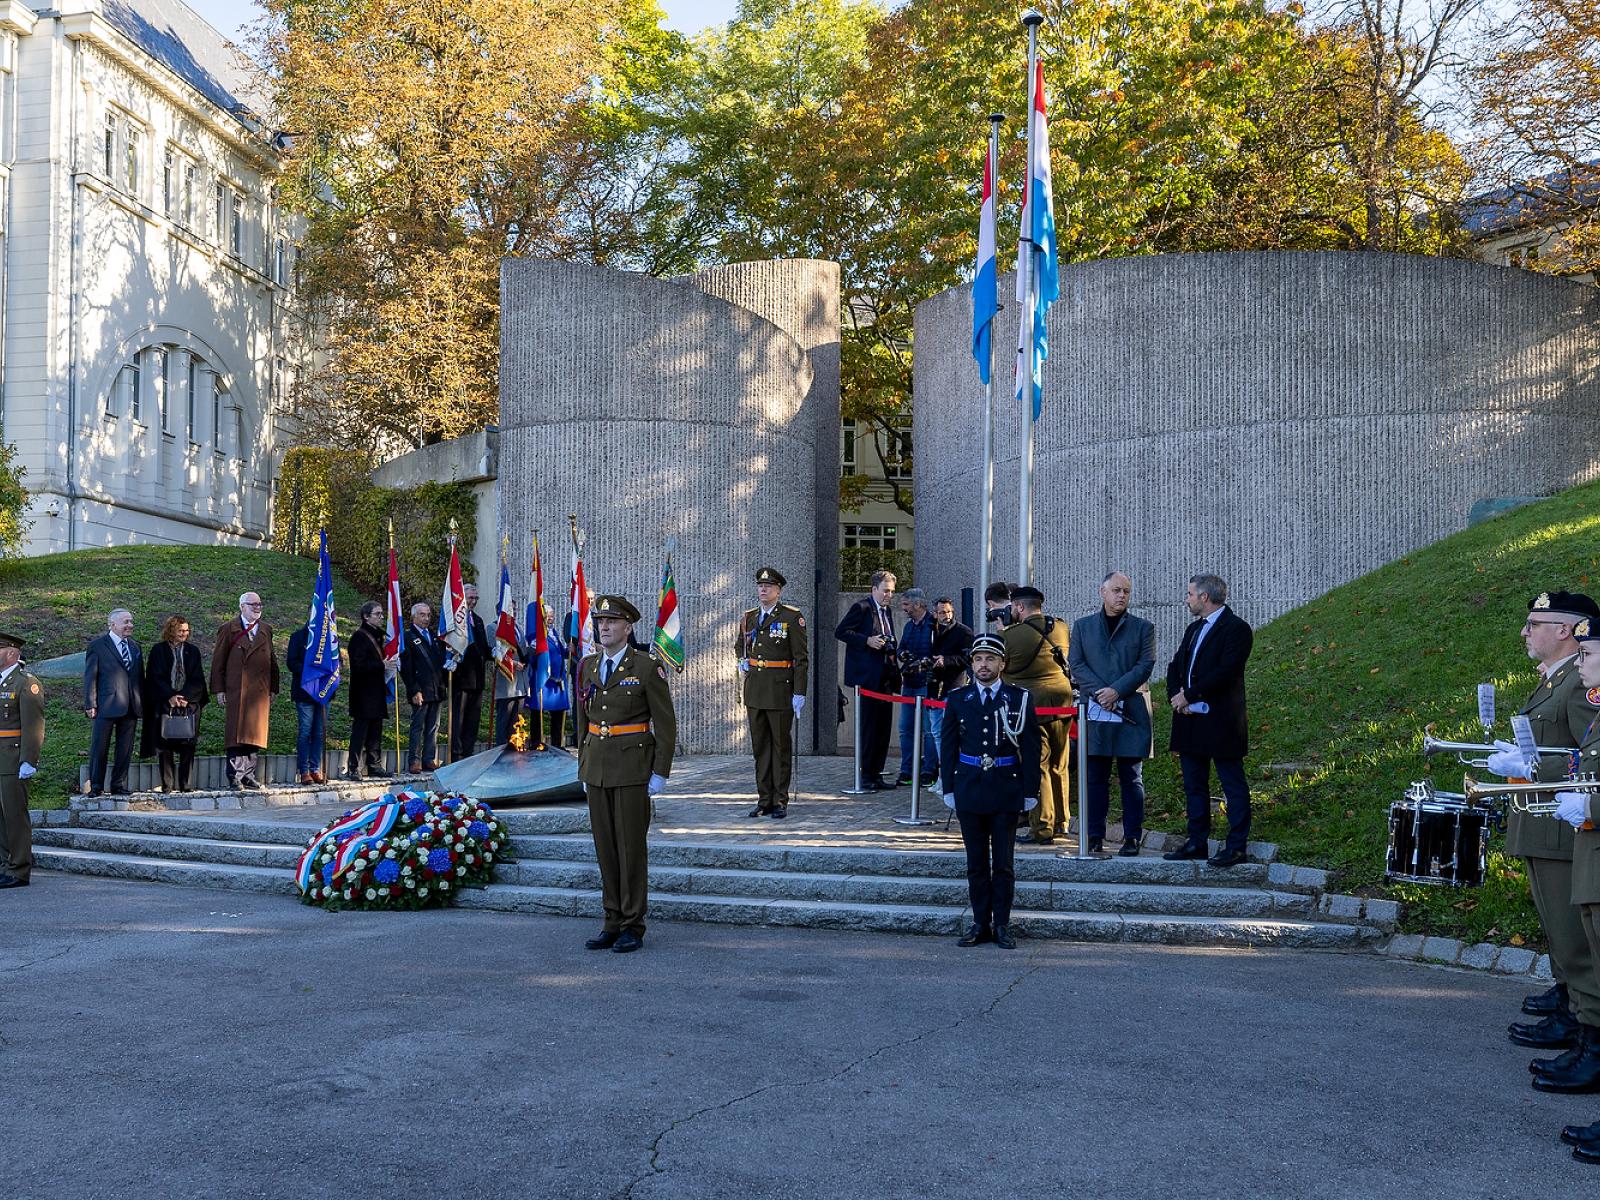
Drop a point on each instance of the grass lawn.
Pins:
(1345, 685)
(58, 602)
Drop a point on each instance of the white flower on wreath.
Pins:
(461, 870)
(411, 883)
(444, 885)
(406, 870)
(371, 895)
(422, 891)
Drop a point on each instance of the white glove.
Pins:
(27, 771)
(657, 782)
(1572, 807)
(1507, 763)
(1031, 803)
(799, 702)
(950, 801)
(744, 666)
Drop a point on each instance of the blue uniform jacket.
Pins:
(969, 734)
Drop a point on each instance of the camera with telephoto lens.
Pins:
(1002, 614)
(914, 666)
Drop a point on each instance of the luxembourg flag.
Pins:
(985, 292)
(1038, 238)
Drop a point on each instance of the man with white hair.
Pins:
(244, 679)
(113, 669)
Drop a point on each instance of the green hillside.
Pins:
(1345, 685)
(59, 601)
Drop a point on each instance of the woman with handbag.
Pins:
(174, 693)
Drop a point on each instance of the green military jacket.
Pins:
(1586, 842)
(637, 694)
(1031, 663)
(21, 721)
(1560, 712)
(780, 639)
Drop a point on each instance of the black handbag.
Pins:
(180, 726)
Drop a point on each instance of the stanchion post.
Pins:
(858, 790)
(1083, 777)
(916, 769)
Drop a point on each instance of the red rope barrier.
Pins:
(1043, 712)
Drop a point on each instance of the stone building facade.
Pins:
(150, 333)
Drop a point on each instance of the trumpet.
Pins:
(1518, 794)
(1432, 745)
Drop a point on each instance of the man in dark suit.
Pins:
(867, 632)
(466, 695)
(1205, 686)
(113, 667)
(422, 669)
(1112, 656)
(990, 762)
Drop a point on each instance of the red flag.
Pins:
(392, 621)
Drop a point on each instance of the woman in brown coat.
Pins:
(244, 679)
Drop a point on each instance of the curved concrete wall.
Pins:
(653, 409)
(1287, 420)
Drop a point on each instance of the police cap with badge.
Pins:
(987, 643)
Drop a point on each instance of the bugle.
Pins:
(1432, 745)
(1518, 795)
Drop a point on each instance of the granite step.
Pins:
(297, 831)
(217, 851)
(233, 877)
(939, 920)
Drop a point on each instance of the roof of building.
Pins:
(176, 36)
(1532, 203)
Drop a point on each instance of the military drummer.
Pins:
(626, 732)
(21, 744)
(775, 661)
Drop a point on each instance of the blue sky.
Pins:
(688, 15)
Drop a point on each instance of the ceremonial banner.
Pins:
(668, 639)
(507, 637)
(320, 674)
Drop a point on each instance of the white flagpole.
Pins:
(1032, 19)
(988, 388)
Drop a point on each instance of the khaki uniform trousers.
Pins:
(619, 818)
(1572, 960)
(1049, 818)
(773, 746)
(16, 830)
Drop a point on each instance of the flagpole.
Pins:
(1032, 19)
(333, 631)
(532, 668)
(574, 663)
(399, 684)
(988, 391)
(450, 675)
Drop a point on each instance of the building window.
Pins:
(216, 416)
(108, 146)
(133, 152)
(238, 434)
(169, 182)
(194, 383)
(847, 449)
(278, 262)
(135, 377)
(219, 211)
(897, 452)
(163, 382)
(186, 210)
(876, 537)
(236, 235)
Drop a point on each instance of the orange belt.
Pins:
(756, 662)
(614, 730)
(10, 733)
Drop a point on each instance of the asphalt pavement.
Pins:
(169, 1042)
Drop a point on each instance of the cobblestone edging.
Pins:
(1484, 956)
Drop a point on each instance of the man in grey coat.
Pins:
(1112, 655)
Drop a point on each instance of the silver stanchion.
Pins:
(858, 790)
(916, 817)
(1083, 778)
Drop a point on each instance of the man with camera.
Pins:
(916, 668)
(870, 661)
(1036, 659)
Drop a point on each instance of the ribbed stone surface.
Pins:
(656, 409)
(1288, 420)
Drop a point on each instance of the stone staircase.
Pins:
(906, 891)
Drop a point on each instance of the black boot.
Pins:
(1552, 999)
(1583, 1075)
(1559, 1063)
(1556, 1031)
(1581, 1135)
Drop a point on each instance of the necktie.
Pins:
(605, 673)
(127, 658)
(988, 698)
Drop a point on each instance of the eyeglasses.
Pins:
(1531, 621)
(257, 604)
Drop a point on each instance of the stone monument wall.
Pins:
(1287, 420)
(656, 409)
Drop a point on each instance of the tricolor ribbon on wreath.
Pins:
(353, 833)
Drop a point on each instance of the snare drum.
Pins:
(1436, 837)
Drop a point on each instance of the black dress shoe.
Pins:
(1185, 852)
(976, 936)
(1589, 1153)
(351, 776)
(1552, 999)
(1003, 938)
(872, 785)
(780, 812)
(1025, 837)
(760, 810)
(251, 785)
(11, 881)
(1226, 858)
(1580, 1135)
(604, 940)
(628, 943)
(1582, 1075)
(1558, 1030)
(379, 773)
(1097, 845)
(1130, 849)
(889, 787)
(1560, 1062)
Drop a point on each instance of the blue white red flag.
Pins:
(454, 625)
(507, 637)
(1038, 240)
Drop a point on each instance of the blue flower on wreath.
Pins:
(415, 808)
(439, 861)
(327, 873)
(387, 871)
(449, 802)
(478, 829)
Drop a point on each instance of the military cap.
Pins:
(8, 642)
(987, 643)
(614, 606)
(1571, 605)
(771, 575)
(1027, 594)
(1587, 630)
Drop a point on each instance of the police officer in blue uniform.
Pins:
(989, 761)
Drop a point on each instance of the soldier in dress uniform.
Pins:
(1036, 648)
(21, 744)
(990, 761)
(775, 661)
(1559, 713)
(626, 734)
